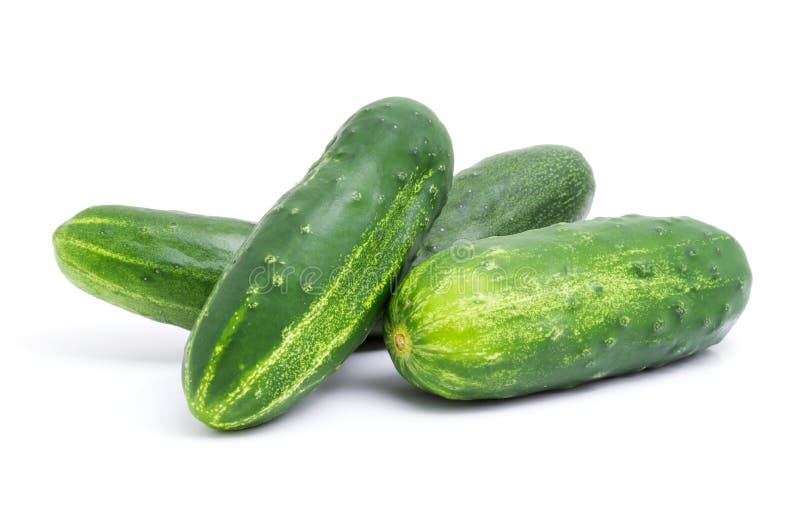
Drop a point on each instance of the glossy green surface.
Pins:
(305, 287)
(512, 192)
(160, 264)
(555, 307)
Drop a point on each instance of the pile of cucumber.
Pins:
(491, 284)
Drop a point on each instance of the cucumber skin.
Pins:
(506, 193)
(512, 192)
(556, 307)
(258, 347)
(160, 264)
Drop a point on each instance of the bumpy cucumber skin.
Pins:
(305, 287)
(556, 307)
(512, 192)
(160, 264)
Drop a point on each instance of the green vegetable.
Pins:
(114, 252)
(160, 264)
(556, 307)
(512, 192)
(305, 287)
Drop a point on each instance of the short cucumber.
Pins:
(512, 192)
(555, 307)
(120, 253)
(160, 264)
(305, 287)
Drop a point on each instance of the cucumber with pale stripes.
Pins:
(160, 264)
(163, 264)
(555, 307)
(308, 282)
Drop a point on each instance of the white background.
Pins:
(689, 108)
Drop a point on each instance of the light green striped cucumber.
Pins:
(555, 307)
(160, 264)
(305, 287)
(163, 264)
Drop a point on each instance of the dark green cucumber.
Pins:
(114, 252)
(160, 264)
(555, 307)
(305, 287)
(512, 192)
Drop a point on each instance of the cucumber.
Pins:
(120, 253)
(305, 287)
(160, 264)
(512, 192)
(556, 307)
